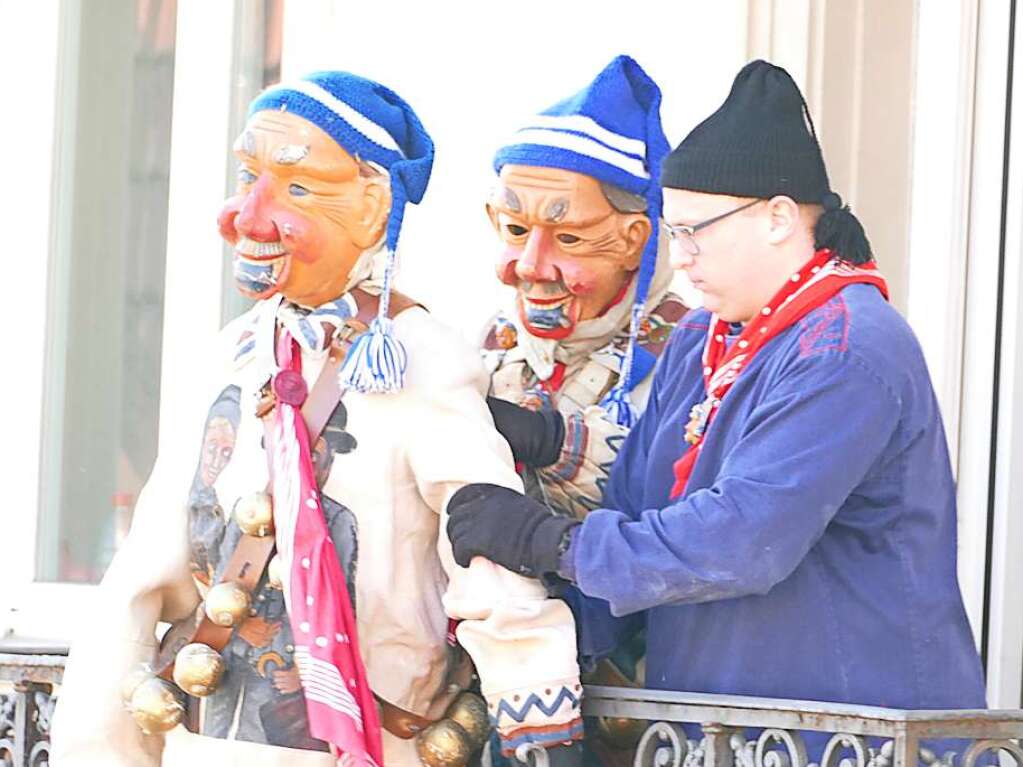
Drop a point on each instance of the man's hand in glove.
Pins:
(535, 436)
(508, 528)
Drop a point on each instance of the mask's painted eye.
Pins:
(246, 176)
(296, 190)
(516, 230)
(568, 239)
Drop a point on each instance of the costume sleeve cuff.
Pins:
(566, 564)
(548, 717)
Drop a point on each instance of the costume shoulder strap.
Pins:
(369, 304)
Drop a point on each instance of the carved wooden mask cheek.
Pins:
(565, 248)
(301, 215)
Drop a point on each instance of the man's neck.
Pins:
(789, 261)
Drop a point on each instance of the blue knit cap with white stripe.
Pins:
(610, 130)
(373, 123)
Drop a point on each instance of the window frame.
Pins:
(193, 290)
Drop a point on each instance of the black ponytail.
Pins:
(841, 232)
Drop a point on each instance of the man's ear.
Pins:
(376, 207)
(783, 219)
(637, 231)
(492, 215)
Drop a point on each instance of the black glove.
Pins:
(508, 528)
(535, 436)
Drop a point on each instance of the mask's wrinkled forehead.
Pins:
(286, 154)
(550, 196)
(287, 144)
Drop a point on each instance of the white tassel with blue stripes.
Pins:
(377, 360)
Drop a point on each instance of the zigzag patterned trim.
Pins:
(544, 736)
(533, 701)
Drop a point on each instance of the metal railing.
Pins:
(730, 730)
(26, 711)
(853, 736)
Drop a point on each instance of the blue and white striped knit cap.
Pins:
(610, 130)
(372, 123)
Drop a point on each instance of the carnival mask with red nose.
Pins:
(304, 210)
(567, 251)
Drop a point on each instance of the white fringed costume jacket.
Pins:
(390, 463)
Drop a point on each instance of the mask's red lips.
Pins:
(546, 301)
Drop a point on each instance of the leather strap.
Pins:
(399, 722)
(406, 725)
(326, 392)
(245, 568)
(252, 554)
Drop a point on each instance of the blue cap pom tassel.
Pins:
(377, 360)
(617, 404)
(619, 408)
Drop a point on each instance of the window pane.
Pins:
(105, 304)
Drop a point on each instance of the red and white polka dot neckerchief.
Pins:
(339, 702)
(812, 286)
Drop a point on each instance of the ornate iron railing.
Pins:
(736, 731)
(731, 731)
(26, 710)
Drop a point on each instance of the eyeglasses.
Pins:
(685, 236)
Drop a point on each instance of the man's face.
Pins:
(303, 213)
(733, 269)
(568, 253)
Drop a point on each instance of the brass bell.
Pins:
(156, 706)
(444, 744)
(275, 573)
(131, 682)
(469, 711)
(227, 604)
(198, 669)
(255, 514)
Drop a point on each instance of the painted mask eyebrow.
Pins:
(511, 200)
(290, 154)
(556, 210)
(246, 144)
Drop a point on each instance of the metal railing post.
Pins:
(718, 746)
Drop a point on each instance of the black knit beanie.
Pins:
(760, 143)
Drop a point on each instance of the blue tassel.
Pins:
(618, 407)
(617, 404)
(376, 362)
